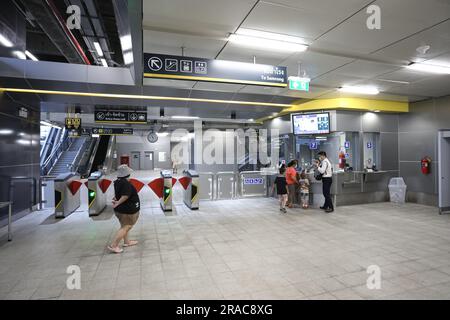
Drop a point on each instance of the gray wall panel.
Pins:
(389, 150)
(348, 121)
(415, 180)
(415, 145)
(388, 122)
(420, 118)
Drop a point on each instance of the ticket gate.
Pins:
(190, 182)
(67, 194)
(97, 187)
(162, 187)
(166, 199)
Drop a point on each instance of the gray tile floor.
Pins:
(233, 249)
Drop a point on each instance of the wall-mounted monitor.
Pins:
(310, 123)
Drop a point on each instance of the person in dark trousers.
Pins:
(126, 205)
(282, 190)
(326, 169)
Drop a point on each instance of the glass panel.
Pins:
(370, 143)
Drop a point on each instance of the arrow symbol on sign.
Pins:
(155, 63)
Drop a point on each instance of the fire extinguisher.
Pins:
(425, 165)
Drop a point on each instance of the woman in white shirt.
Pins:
(326, 169)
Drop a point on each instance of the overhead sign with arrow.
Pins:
(199, 69)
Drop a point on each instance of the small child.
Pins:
(304, 190)
(282, 190)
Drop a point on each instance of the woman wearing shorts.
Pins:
(126, 205)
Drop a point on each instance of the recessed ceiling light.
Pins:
(268, 40)
(5, 41)
(184, 117)
(429, 68)
(104, 63)
(5, 132)
(31, 56)
(359, 89)
(98, 49)
(20, 55)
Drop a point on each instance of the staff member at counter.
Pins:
(326, 170)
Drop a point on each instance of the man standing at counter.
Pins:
(326, 173)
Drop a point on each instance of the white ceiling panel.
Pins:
(262, 90)
(214, 17)
(180, 84)
(438, 38)
(405, 75)
(218, 86)
(365, 69)
(381, 96)
(399, 19)
(305, 19)
(433, 87)
(443, 60)
(236, 52)
(334, 80)
(313, 63)
(171, 43)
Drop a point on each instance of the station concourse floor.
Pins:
(232, 249)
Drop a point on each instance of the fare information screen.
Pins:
(317, 123)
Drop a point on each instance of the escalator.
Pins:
(100, 155)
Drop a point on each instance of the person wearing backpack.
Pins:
(325, 173)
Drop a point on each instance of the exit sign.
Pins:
(297, 83)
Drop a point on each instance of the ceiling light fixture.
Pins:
(267, 40)
(128, 58)
(5, 132)
(49, 124)
(359, 89)
(5, 41)
(31, 56)
(162, 134)
(20, 55)
(429, 68)
(104, 63)
(184, 117)
(98, 49)
(126, 42)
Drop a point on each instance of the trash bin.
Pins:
(397, 190)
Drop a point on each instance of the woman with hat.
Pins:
(126, 205)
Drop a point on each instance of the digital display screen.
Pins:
(313, 123)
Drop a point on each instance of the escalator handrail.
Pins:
(64, 143)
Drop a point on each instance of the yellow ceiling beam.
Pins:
(144, 97)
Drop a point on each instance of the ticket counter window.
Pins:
(347, 143)
(371, 154)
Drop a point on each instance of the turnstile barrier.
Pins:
(97, 187)
(162, 187)
(190, 182)
(67, 194)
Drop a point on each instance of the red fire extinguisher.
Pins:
(425, 165)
